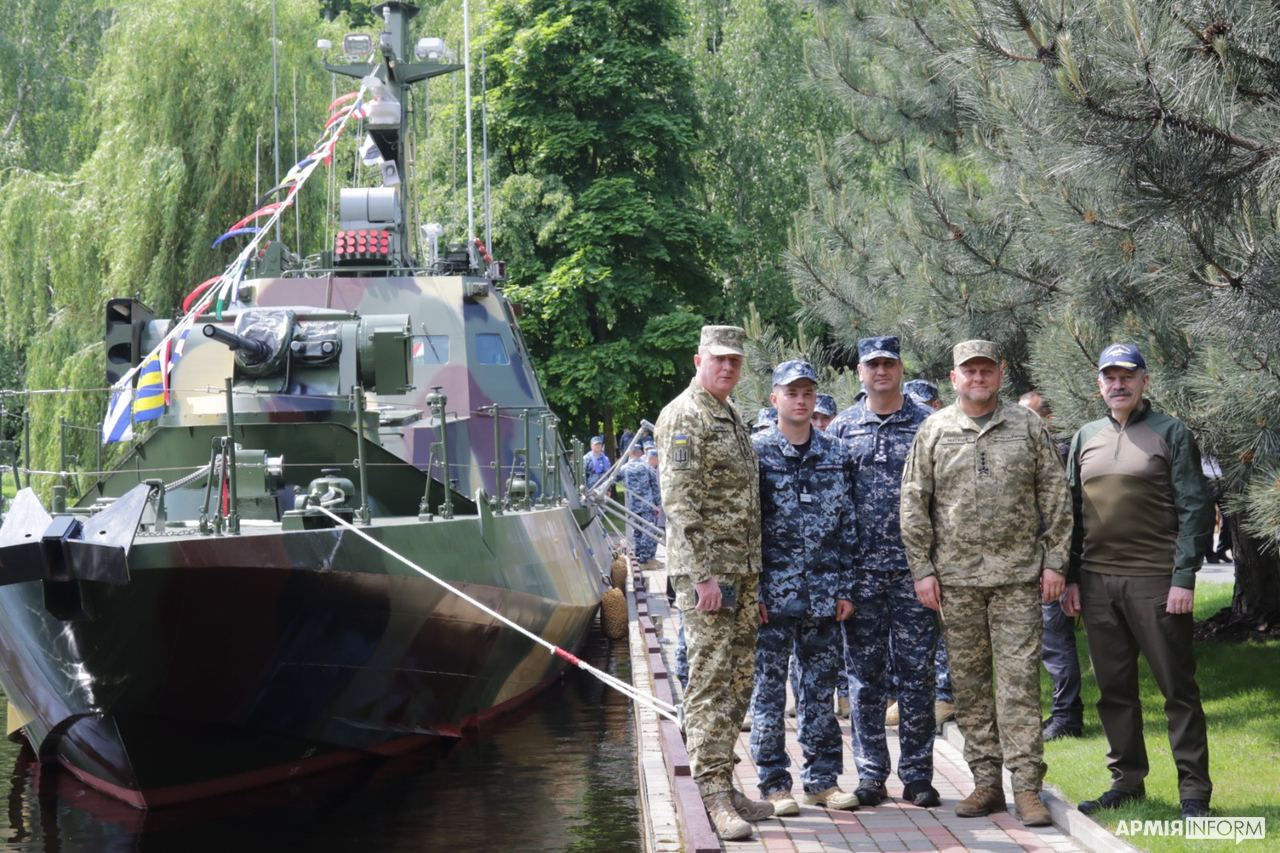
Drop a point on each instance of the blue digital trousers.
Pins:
(816, 642)
(891, 633)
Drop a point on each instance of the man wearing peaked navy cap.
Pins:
(923, 392)
(765, 418)
(890, 630)
(823, 411)
(1143, 518)
(808, 534)
(885, 346)
(792, 371)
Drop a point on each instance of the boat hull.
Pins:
(228, 662)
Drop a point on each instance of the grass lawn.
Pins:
(1240, 688)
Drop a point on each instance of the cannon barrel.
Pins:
(254, 351)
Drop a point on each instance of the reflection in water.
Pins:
(559, 774)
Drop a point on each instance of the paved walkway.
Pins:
(891, 826)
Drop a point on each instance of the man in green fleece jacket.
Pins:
(1143, 517)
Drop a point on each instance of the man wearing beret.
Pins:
(808, 534)
(711, 495)
(986, 520)
(890, 631)
(1143, 517)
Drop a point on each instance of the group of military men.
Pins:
(855, 547)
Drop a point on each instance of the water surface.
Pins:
(559, 774)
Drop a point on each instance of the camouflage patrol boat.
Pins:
(199, 623)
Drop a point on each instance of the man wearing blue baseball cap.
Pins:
(824, 411)
(808, 537)
(923, 392)
(1143, 518)
(595, 463)
(890, 631)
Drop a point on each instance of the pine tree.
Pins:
(1070, 175)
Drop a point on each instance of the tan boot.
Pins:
(725, 818)
(832, 798)
(784, 805)
(842, 707)
(943, 711)
(891, 715)
(752, 810)
(984, 800)
(1031, 808)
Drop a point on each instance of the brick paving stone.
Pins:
(891, 826)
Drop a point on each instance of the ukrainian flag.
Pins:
(148, 403)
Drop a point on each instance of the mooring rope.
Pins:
(671, 712)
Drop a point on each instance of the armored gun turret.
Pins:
(380, 385)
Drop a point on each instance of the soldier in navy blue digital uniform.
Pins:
(644, 499)
(889, 627)
(808, 539)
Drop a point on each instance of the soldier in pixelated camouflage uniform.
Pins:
(986, 520)
(711, 496)
(808, 535)
(891, 631)
(642, 499)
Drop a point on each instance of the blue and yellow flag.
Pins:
(148, 403)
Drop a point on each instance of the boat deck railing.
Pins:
(533, 478)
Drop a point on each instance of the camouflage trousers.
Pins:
(891, 634)
(721, 649)
(645, 546)
(816, 644)
(1004, 623)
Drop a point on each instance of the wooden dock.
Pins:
(674, 819)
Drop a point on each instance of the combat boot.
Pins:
(1031, 808)
(725, 818)
(784, 805)
(984, 800)
(752, 810)
(832, 798)
(842, 707)
(943, 711)
(891, 715)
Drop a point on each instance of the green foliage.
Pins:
(764, 122)
(48, 50)
(594, 126)
(175, 107)
(1073, 174)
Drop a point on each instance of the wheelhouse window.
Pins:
(430, 349)
(490, 349)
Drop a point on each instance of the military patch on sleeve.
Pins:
(681, 450)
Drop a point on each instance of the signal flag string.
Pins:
(118, 426)
(665, 709)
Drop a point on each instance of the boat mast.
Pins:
(394, 74)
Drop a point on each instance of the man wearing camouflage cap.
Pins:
(711, 495)
(890, 630)
(923, 392)
(986, 520)
(643, 500)
(824, 410)
(806, 498)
